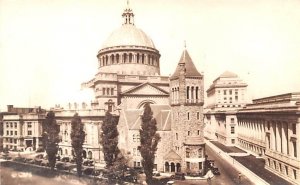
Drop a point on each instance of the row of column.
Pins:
(129, 58)
(276, 134)
(253, 129)
(192, 94)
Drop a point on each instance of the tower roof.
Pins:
(190, 68)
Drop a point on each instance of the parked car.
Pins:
(65, 159)
(19, 159)
(179, 176)
(215, 171)
(44, 162)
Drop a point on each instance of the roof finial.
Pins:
(184, 44)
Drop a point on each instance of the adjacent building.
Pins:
(270, 127)
(22, 128)
(226, 95)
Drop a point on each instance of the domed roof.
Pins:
(128, 35)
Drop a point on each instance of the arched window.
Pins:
(187, 92)
(107, 91)
(106, 60)
(117, 58)
(124, 58)
(138, 58)
(130, 58)
(176, 136)
(197, 89)
(143, 59)
(103, 91)
(112, 59)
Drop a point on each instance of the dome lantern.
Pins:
(128, 15)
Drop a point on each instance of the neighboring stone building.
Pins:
(270, 127)
(92, 120)
(225, 96)
(22, 128)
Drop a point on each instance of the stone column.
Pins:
(284, 137)
(278, 138)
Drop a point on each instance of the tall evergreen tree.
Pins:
(51, 138)
(109, 140)
(77, 137)
(149, 141)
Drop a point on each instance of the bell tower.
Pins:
(187, 99)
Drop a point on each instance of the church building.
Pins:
(129, 77)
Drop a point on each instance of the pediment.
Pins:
(146, 89)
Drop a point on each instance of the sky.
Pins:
(49, 47)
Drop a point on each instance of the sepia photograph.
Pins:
(149, 92)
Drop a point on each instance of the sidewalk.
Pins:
(256, 165)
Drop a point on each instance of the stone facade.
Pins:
(270, 127)
(22, 128)
(225, 96)
(92, 120)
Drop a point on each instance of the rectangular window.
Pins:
(138, 163)
(230, 92)
(29, 125)
(295, 148)
(198, 115)
(232, 141)
(232, 120)
(7, 125)
(134, 164)
(11, 124)
(295, 173)
(274, 164)
(15, 141)
(10, 140)
(103, 91)
(224, 92)
(188, 116)
(16, 133)
(11, 133)
(198, 132)
(189, 133)
(269, 162)
(200, 165)
(280, 169)
(232, 130)
(188, 165)
(15, 124)
(236, 98)
(112, 91)
(7, 132)
(286, 170)
(29, 132)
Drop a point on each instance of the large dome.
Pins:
(128, 35)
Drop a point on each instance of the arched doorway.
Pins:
(90, 155)
(84, 154)
(178, 167)
(167, 167)
(172, 167)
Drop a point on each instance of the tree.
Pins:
(149, 141)
(109, 139)
(77, 137)
(51, 138)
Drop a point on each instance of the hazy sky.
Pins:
(49, 47)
